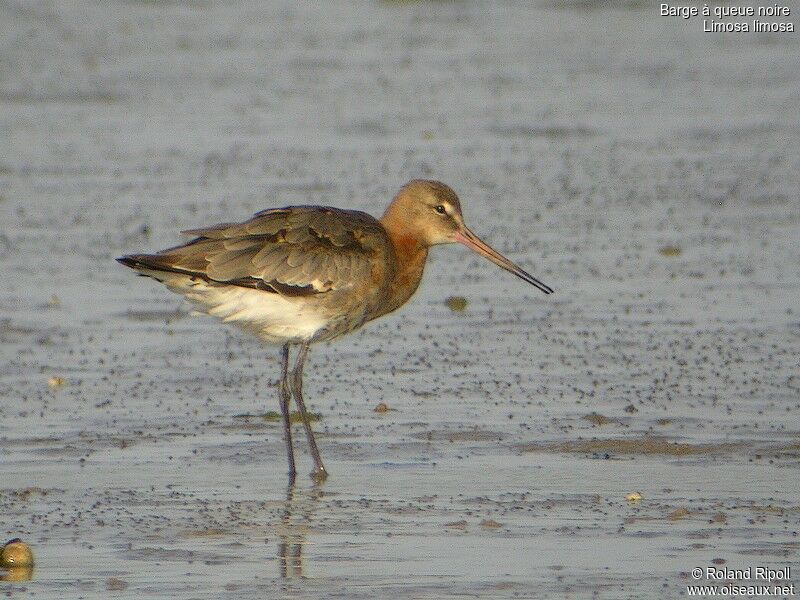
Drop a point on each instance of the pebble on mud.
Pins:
(16, 554)
(678, 513)
(462, 524)
(382, 407)
(56, 381)
(456, 303)
(634, 497)
(670, 251)
(719, 517)
(596, 419)
(114, 584)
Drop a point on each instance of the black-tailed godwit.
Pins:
(305, 274)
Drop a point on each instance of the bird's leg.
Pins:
(319, 473)
(285, 395)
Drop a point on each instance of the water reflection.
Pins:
(16, 574)
(297, 516)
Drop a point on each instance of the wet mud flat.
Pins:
(651, 179)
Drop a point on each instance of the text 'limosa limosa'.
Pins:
(305, 274)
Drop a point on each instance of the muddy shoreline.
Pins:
(646, 170)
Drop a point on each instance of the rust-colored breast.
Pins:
(409, 258)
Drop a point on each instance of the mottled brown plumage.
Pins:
(304, 274)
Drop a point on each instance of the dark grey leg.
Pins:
(319, 473)
(285, 395)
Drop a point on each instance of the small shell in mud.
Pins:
(634, 497)
(381, 407)
(15, 554)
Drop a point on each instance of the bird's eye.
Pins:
(440, 209)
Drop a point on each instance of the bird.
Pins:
(299, 275)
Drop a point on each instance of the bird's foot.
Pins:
(319, 474)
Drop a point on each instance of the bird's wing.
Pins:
(299, 250)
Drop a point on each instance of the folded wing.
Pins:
(294, 251)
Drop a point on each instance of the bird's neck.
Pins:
(410, 264)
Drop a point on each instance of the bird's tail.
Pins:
(148, 265)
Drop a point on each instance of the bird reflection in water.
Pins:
(298, 511)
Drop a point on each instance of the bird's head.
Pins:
(430, 212)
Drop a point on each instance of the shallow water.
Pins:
(647, 171)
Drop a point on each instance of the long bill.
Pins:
(473, 242)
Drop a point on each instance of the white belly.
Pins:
(272, 317)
